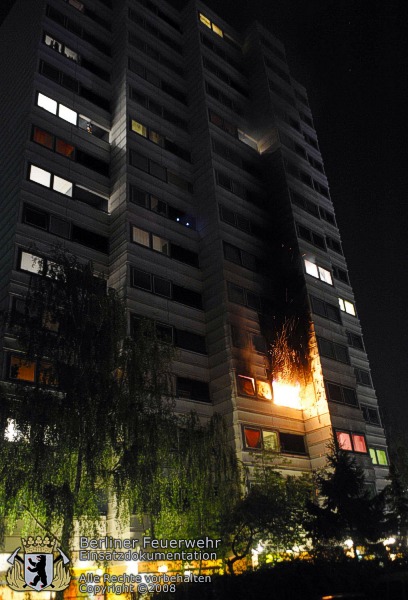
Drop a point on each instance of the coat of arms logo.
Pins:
(43, 568)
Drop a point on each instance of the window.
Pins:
(160, 140)
(192, 389)
(334, 245)
(240, 257)
(246, 385)
(223, 123)
(252, 438)
(371, 415)
(324, 309)
(155, 31)
(62, 228)
(340, 274)
(255, 438)
(146, 200)
(239, 295)
(332, 350)
(327, 216)
(190, 341)
(311, 236)
(73, 26)
(255, 388)
(292, 443)
(155, 80)
(21, 369)
(73, 85)
(157, 109)
(354, 340)
(351, 442)
(318, 272)
(363, 377)
(304, 203)
(347, 306)
(379, 456)
(47, 103)
(164, 287)
(339, 393)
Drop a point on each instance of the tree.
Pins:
(98, 415)
(270, 512)
(345, 509)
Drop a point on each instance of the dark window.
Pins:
(334, 245)
(85, 159)
(340, 274)
(157, 171)
(60, 227)
(292, 444)
(34, 217)
(162, 287)
(141, 280)
(333, 350)
(355, 340)
(90, 198)
(236, 294)
(259, 343)
(139, 161)
(371, 415)
(190, 341)
(339, 393)
(90, 239)
(192, 389)
(187, 297)
(324, 309)
(184, 255)
(363, 377)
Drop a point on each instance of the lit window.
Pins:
(252, 438)
(71, 54)
(139, 128)
(246, 385)
(263, 390)
(205, 20)
(62, 186)
(67, 114)
(141, 237)
(47, 103)
(311, 269)
(379, 456)
(160, 245)
(31, 263)
(43, 138)
(22, 369)
(217, 30)
(40, 176)
(349, 308)
(359, 443)
(270, 440)
(64, 148)
(344, 440)
(325, 275)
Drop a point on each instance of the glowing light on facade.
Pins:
(287, 394)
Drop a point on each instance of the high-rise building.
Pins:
(180, 156)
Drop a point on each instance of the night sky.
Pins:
(352, 56)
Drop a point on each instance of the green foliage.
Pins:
(271, 512)
(99, 422)
(346, 509)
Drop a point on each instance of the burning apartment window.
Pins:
(263, 390)
(246, 385)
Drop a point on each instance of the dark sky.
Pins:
(352, 56)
